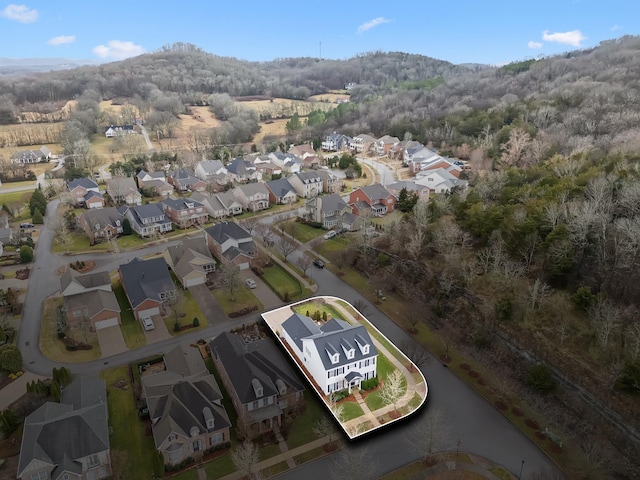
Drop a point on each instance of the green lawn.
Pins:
(53, 348)
(302, 429)
(80, 243)
(308, 456)
(351, 410)
(220, 467)
(15, 197)
(312, 307)
(275, 469)
(282, 283)
(130, 241)
(131, 450)
(131, 328)
(384, 368)
(302, 232)
(244, 297)
(190, 310)
(269, 451)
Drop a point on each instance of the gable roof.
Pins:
(102, 216)
(280, 187)
(59, 434)
(86, 281)
(250, 189)
(410, 186)
(308, 177)
(183, 396)
(259, 360)
(93, 194)
(375, 191)
(140, 212)
(146, 279)
(211, 166)
(334, 336)
(331, 203)
(181, 203)
(221, 232)
(122, 186)
(95, 301)
(82, 182)
(240, 166)
(189, 255)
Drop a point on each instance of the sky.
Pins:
(491, 32)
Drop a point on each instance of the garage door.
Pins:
(190, 282)
(149, 312)
(109, 322)
(244, 266)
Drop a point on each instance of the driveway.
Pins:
(262, 291)
(208, 304)
(159, 333)
(111, 341)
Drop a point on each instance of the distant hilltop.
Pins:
(24, 66)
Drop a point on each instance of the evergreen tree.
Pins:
(37, 217)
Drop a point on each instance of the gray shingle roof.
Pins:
(259, 360)
(331, 337)
(181, 203)
(375, 191)
(88, 280)
(280, 187)
(102, 217)
(211, 166)
(332, 203)
(82, 182)
(146, 279)
(61, 434)
(223, 231)
(95, 301)
(309, 177)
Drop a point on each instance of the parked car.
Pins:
(27, 225)
(147, 323)
(329, 234)
(318, 263)
(251, 283)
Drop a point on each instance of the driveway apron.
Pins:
(208, 304)
(111, 341)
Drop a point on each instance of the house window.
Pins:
(93, 461)
(216, 438)
(256, 404)
(196, 446)
(40, 475)
(173, 437)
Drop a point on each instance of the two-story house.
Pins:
(302, 151)
(281, 192)
(101, 224)
(123, 190)
(384, 144)
(327, 210)
(113, 131)
(184, 180)
(147, 220)
(79, 188)
(147, 284)
(70, 439)
(335, 142)
(211, 170)
(307, 184)
(440, 180)
(412, 188)
(185, 406)
(374, 199)
(362, 143)
(252, 196)
(219, 205)
(331, 183)
(262, 386)
(241, 170)
(191, 261)
(154, 182)
(229, 242)
(336, 354)
(184, 212)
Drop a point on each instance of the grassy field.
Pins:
(53, 348)
(283, 107)
(132, 452)
(271, 128)
(15, 197)
(301, 232)
(244, 298)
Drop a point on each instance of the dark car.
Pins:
(318, 263)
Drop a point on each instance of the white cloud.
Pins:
(20, 13)
(535, 45)
(118, 50)
(616, 27)
(61, 40)
(573, 38)
(372, 23)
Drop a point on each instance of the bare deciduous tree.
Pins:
(326, 427)
(230, 274)
(416, 353)
(393, 388)
(605, 316)
(304, 261)
(430, 435)
(355, 464)
(250, 223)
(285, 246)
(246, 457)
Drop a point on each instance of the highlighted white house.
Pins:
(336, 354)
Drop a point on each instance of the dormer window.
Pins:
(257, 387)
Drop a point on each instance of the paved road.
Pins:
(386, 174)
(477, 424)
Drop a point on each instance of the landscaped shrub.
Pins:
(10, 359)
(196, 322)
(26, 254)
(369, 384)
(540, 378)
(339, 395)
(176, 327)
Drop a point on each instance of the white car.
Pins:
(329, 234)
(147, 323)
(251, 283)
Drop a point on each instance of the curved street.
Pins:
(473, 421)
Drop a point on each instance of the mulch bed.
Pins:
(501, 405)
(465, 366)
(517, 412)
(555, 448)
(474, 374)
(330, 447)
(394, 414)
(22, 274)
(87, 266)
(532, 424)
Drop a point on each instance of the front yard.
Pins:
(283, 284)
(131, 328)
(244, 300)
